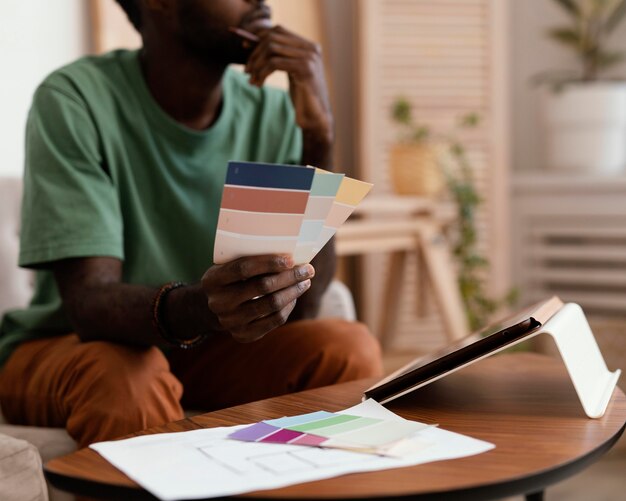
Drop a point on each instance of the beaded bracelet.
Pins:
(158, 319)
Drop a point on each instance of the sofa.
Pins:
(21, 475)
(15, 291)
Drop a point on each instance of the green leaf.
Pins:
(606, 60)
(401, 111)
(616, 17)
(599, 6)
(567, 36)
(421, 133)
(470, 120)
(555, 78)
(570, 7)
(512, 296)
(457, 150)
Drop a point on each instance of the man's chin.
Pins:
(241, 57)
(230, 54)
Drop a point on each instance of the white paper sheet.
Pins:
(204, 463)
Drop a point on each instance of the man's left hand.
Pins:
(281, 50)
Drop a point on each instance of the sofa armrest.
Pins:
(21, 473)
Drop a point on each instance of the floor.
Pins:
(603, 481)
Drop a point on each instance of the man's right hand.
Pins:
(251, 296)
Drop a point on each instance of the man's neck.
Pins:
(187, 89)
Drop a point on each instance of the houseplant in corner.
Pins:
(415, 157)
(585, 109)
(448, 157)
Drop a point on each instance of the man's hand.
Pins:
(253, 295)
(280, 49)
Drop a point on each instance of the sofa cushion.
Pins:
(15, 283)
(21, 474)
(50, 442)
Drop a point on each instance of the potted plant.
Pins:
(415, 158)
(584, 110)
(453, 168)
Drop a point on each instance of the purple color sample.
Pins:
(253, 433)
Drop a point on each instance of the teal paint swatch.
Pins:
(326, 184)
(289, 421)
(310, 230)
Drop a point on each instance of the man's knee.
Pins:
(342, 350)
(121, 389)
(353, 342)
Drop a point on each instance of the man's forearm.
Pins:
(123, 313)
(317, 149)
(246, 298)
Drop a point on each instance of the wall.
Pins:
(448, 59)
(531, 53)
(341, 52)
(37, 36)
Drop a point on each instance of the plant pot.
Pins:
(416, 169)
(586, 128)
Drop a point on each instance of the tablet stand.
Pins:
(593, 381)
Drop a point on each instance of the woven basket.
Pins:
(416, 169)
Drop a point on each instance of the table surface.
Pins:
(523, 403)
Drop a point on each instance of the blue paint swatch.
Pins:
(259, 175)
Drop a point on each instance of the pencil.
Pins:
(246, 35)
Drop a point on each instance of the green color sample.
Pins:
(323, 423)
(338, 429)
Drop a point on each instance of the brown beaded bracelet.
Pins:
(158, 319)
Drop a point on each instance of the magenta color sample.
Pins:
(282, 436)
(308, 439)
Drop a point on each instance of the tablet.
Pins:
(496, 337)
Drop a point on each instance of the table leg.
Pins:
(443, 280)
(390, 312)
(422, 286)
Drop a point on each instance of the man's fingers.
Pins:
(283, 34)
(300, 64)
(259, 328)
(245, 268)
(266, 57)
(273, 49)
(247, 313)
(269, 284)
(233, 296)
(273, 40)
(294, 67)
(271, 303)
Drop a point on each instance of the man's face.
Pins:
(203, 27)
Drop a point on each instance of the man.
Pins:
(126, 157)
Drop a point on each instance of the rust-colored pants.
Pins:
(101, 390)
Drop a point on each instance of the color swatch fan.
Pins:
(335, 431)
(262, 210)
(321, 199)
(282, 209)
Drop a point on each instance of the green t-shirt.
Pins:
(109, 173)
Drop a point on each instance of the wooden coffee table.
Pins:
(523, 403)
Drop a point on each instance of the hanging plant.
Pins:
(472, 266)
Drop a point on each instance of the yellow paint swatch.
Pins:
(352, 191)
